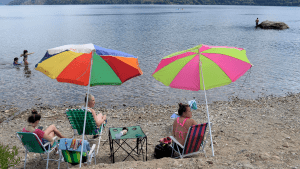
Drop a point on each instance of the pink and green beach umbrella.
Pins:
(221, 65)
(202, 67)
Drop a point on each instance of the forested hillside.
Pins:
(192, 2)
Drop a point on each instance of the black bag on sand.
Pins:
(162, 150)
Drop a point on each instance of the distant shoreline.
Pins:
(153, 2)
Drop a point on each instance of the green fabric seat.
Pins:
(76, 119)
(33, 144)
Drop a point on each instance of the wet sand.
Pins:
(261, 133)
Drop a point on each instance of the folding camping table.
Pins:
(134, 132)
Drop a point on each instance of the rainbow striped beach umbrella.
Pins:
(88, 65)
(202, 67)
(78, 64)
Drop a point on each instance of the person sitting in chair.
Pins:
(181, 124)
(44, 136)
(99, 119)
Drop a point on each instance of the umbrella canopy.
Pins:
(68, 64)
(201, 68)
(221, 65)
(88, 65)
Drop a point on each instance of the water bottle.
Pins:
(123, 132)
(118, 136)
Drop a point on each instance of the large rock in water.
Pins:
(273, 25)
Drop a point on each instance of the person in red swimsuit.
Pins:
(44, 136)
(181, 124)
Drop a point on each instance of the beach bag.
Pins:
(162, 150)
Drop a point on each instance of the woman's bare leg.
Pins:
(52, 131)
(25, 62)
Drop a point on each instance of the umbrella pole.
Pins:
(87, 100)
(211, 141)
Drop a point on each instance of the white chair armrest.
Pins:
(92, 149)
(54, 138)
(173, 139)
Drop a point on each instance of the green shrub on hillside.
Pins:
(8, 157)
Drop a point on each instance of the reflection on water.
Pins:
(27, 71)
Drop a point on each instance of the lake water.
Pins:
(149, 32)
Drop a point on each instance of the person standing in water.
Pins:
(25, 55)
(257, 21)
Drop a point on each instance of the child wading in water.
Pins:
(16, 61)
(25, 54)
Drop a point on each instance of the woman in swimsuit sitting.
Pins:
(181, 124)
(44, 136)
(99, 119)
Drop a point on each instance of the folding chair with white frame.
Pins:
(33, 144)
(194, 142)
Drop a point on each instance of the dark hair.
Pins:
(182, 108)
(16, 59)
(34, 117)
(25, 51)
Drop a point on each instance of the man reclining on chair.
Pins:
(46, 135)
(99, 119)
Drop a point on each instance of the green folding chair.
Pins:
(33, 144)
(76, 119)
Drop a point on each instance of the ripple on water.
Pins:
(151, 33)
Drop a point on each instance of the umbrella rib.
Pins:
(83, 73)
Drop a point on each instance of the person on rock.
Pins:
(257, 20)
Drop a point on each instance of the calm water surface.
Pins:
(149, 32)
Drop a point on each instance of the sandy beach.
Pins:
(261, 133)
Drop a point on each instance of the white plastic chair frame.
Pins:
(181, 154)
(44, 148)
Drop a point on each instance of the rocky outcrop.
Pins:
(273, 25)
